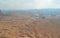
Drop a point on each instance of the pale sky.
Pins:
(29, 4)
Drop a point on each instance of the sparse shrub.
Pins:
(12, 36)
(43, 17)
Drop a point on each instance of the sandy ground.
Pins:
(24, 26)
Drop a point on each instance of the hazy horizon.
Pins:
(29, 4)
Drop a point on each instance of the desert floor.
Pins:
(28, 26)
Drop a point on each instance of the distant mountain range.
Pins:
(52, 12)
